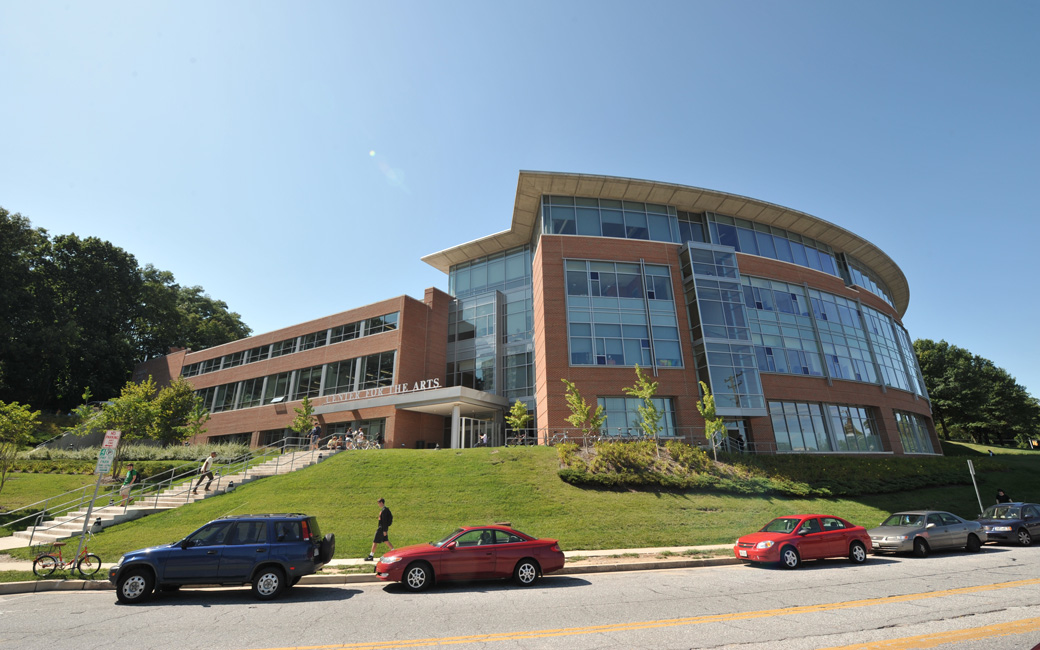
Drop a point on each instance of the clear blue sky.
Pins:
(296, 159)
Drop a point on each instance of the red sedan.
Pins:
(472, 553)
(790, 540)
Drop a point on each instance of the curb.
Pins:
(39, 586)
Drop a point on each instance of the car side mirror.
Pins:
(450, 546)
(929, 526)
(802, 531)
(185, 543)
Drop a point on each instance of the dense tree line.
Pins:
(79, 313)
(974, 399)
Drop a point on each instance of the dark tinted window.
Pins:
(248, 532)
(288, 531)
(210, 535)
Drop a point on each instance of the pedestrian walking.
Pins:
(386, 518)
(1003, 497)
(315, 436)
(128, 483)
(206, 471)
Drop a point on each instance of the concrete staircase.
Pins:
(179, 494)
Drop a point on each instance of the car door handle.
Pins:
(261, 550)
(211, 552)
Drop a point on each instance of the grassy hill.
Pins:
(431, 492)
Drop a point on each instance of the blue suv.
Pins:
(270, 552)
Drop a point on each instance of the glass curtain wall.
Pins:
(491, 325)
(621, 314)
(720, 329)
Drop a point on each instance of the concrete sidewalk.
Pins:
(718, 554)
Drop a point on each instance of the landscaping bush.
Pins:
(681, 466)
(134, 453)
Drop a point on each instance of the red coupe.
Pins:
(790, 540)
(472, 553)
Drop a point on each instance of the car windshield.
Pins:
(447, 538)
(904, 519)
(781, 525)
(1002, 512)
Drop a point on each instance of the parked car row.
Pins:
(790, 540)
(272, 552)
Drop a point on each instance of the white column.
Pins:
(456, 437)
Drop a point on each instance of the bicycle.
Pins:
(86, 563)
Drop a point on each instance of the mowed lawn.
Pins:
(432, 491)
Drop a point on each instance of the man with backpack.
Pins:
(386, 518)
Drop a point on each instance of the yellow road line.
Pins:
(664, 623)
(956, 636)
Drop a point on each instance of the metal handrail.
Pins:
(241, 464)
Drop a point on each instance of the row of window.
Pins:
(350, 331)
(809, 426)
(564, 215)
(805, 331)
(360, 373)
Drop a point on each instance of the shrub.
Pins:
(692, 458)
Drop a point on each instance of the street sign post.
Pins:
(971, 470)
(106, 455)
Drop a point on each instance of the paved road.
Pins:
(990, 600)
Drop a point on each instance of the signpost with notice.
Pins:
(106, 455)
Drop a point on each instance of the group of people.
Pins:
(352, 439)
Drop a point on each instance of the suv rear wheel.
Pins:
(268, 583)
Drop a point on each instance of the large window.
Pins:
(913, 433)
(781, 327)
(621, 314)
(377, 370)
(811, 426)
(339, 378)
(623, 418)
(308, 383)
(499, 272)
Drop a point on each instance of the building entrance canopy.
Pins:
(455, 402)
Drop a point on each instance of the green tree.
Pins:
(133, 413)
(973, 398)
(518, 418)
(304, 420)
(582, 415)
(17, 423)
(712, 422)
(649, 414)
(179, 413)
(78, 312)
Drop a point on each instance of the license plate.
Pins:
(742, 552)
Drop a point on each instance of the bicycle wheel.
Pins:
(88, 565)
(44, 565)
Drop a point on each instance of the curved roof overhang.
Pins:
(532, 185)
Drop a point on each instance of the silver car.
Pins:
(923, 531)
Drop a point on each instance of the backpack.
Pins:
(389, 517)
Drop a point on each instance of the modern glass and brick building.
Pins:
(793, 322)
